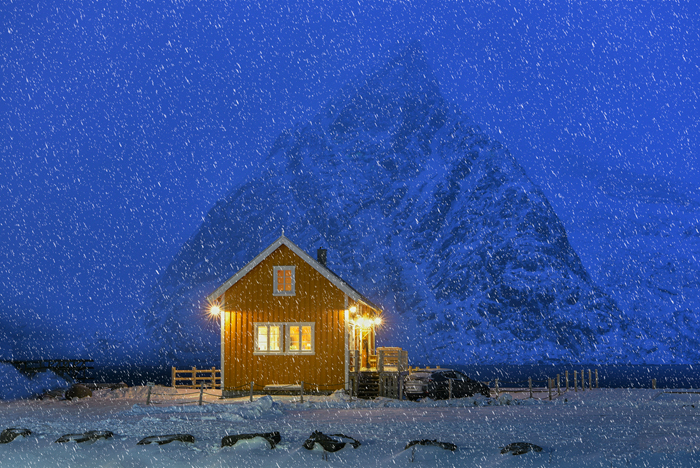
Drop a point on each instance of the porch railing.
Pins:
(387, 359)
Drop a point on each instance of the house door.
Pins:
(364, 342)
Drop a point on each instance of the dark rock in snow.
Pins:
(434, 443)
(10, 434)
(422, 212)
(111, 386)
(166, 439)
(55, 394)
(330, 443)
(273, 438)
(78, 391)
(520, 448)
(89, 436)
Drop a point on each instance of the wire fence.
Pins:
(181, 398)
(553, 386)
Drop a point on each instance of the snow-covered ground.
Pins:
(599, 428)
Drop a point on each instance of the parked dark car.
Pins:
(435, 383)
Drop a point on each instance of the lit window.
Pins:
(268, 338)
(275, 339)
(284, 338)
(300, 338)
(306, 338)
(284, 284)
(262, 339)
(294, 339)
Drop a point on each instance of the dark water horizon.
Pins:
(609, 375)
(681, 376)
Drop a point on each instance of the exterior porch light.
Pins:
(353, 309)
(215, 310)
(365, 322)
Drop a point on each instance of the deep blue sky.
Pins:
(122, 122)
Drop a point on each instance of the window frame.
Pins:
(268, 352)
(288, 338)
(285, 338)
(275, 285)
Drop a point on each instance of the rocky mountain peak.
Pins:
(421, 212)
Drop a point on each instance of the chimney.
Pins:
(321, 256)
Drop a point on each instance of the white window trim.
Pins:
(288, 341)
(255, 338)
(275, 292)
(284, 338)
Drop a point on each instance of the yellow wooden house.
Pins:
(286, 318)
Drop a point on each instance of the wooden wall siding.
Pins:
(250, 300)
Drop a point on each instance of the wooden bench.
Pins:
(281, 389)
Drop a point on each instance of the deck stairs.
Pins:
(368, 385)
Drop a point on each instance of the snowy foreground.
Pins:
(601, 428)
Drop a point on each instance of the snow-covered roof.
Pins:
(336, 280)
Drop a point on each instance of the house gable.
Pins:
(321, 269)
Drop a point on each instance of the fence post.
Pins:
(358, 365)
(596, 379)
(201, 393)
(566, 377)
(380, 360)
(496, 386)
(558, 385)
(400, 387)
(590, 380)
(150, 387)
(173, 376)
(549, 387)
(653, 383)
(251, 391)
(301, 391)
(449, 389)
(529, 384)
(576, 381)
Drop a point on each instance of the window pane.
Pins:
(274, 338)
(288, 280)
(306, 338)
(294, 338)
(280, 280)
(262, 338)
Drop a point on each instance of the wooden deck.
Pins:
(383, 377)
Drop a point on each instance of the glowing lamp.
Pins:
(215, 310)
(353, 309)
(377, 321)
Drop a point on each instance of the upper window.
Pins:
(284, 281)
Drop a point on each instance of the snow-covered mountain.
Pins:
(421, 212)
(640, 243)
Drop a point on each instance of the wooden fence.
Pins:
(195, 378)
(553, 386)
